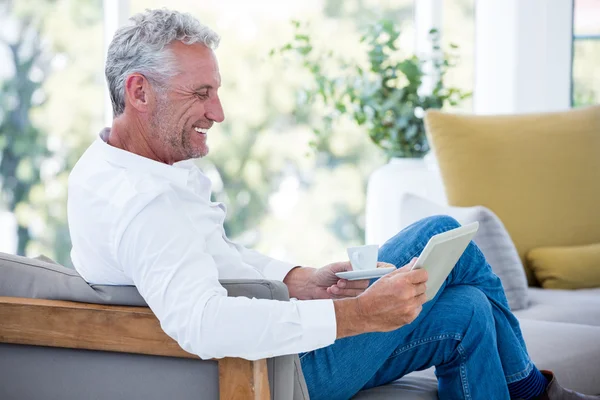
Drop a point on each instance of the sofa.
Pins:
(64, 355)
(61, 338)
(532, 181)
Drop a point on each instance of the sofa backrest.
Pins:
(41, 278)
(537, 172)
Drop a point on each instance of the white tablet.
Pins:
(441, 254)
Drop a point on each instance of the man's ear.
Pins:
(137, 92)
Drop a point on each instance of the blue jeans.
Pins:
(467, 332)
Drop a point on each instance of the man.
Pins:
(140, 213)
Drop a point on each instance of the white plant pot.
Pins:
(386, 187)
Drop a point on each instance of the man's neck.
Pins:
(130, 138)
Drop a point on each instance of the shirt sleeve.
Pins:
(164, 252)
(271, 268)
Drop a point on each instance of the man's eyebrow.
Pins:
(202, 87)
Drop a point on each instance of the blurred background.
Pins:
(284, 197)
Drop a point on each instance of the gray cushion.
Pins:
(42, 278)
(571, 351)
(421, 385)
(492, 238)
(576, 306)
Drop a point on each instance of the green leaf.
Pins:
(340, 107)
(411, 131)
(305, 50)
(360, 117)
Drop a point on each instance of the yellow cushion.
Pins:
(572, 267)
(540, 173)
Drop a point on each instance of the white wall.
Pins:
(116, 13)
(8, 232)
(428, 16)
(522, 56)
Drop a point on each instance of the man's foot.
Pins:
(556, 392)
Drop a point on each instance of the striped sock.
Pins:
(528, 388)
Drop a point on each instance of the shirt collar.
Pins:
(178, 172)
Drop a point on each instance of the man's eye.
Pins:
(202, 96)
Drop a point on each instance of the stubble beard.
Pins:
(178, 142)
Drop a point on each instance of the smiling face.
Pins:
(183, 113)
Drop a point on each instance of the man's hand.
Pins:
(329, 286)
(394, 300)
(310, 283)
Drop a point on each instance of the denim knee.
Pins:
(477, 308)
(428, 226)
(439, 223)
(411, 240)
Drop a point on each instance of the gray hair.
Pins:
(141, 47)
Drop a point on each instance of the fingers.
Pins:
(342, 266)
(417, 276)
(408, 266)
(404, 268)
(413, 276)
(358, 284)
(420, 289)
(339, 293)
(421, 299)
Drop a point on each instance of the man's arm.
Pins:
(393, 301)
(269, 267)
(349, 320)
(304, 283)
(164, 251)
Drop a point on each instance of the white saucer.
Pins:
(364, 274)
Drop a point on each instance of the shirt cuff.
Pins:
(277, 270)
(318, 322)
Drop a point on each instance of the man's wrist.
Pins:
(349, 319)
(299, 282)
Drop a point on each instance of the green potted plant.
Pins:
(388, 96)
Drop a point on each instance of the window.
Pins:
(458, 28)
(283, 198)
(586, 53)
(50, 108)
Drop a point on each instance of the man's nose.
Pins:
(214, 111)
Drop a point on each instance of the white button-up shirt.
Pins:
(136, 221)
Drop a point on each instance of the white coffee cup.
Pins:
(363, 257)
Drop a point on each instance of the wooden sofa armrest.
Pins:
(122, 329)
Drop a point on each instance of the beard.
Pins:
(164, 129)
